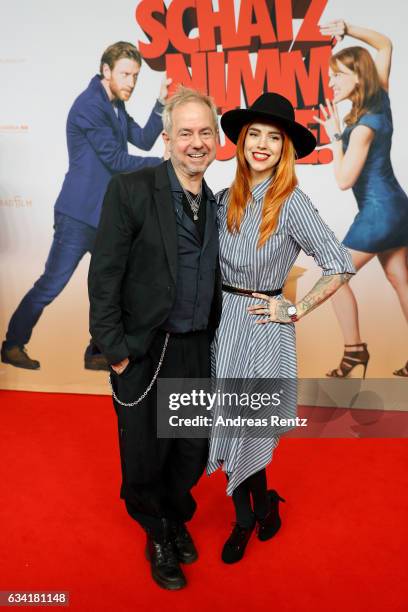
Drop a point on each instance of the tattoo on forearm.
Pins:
(325, 287)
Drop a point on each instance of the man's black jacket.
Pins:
(133, 270)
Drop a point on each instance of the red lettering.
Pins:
(267, 76)
(209, 21)
(175, 29)
(294, 69)
(177, 70)
(284, 16)
(262, 27)
(325, 156)
(152, 28)
(216, 77)
(225, 151)
(223, 59)
(309, 29)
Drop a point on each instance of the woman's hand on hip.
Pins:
(274, 310)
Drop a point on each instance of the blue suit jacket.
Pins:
(97, 148)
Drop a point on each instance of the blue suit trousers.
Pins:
(72, 239)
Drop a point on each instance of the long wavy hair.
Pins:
(283, 183)
(366, 95)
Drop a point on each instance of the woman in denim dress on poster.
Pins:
(361, 159)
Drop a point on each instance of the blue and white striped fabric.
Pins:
(243, 349)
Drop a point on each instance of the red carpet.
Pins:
(343, 543)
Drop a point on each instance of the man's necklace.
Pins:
(194, 201)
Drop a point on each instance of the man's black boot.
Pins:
(164, 565)
(183, 543)
(17, 357)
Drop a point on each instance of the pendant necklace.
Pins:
(194, 201)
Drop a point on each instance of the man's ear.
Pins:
(166, 141)
(106, 71)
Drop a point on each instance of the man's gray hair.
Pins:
(181, 96)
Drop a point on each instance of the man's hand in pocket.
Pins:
(121, 366)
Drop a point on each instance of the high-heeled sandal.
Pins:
(352, 359)
(402, 371)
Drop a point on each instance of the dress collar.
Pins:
(259, 190)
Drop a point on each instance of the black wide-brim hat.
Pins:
(270, 108)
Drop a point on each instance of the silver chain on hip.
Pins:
(194, 202)
(155, 375)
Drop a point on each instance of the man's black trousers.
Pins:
(158, 473)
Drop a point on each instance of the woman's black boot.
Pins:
(270, 525)
(234, 547)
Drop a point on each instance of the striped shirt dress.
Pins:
(241, 348)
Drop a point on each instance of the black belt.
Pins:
(249, 292)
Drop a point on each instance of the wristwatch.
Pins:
(292, 313)
(337, 136)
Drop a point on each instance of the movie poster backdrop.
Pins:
(233, 51)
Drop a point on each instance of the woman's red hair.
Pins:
(366, 94)
(283, 183)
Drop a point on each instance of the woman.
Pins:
(264, 221)
(361, 156)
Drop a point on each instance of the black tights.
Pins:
(256, 487)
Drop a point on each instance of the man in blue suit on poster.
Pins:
(98, 130)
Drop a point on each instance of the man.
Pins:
(98, 130)
(154, 292)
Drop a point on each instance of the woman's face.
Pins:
(262, 149)
(343, 81)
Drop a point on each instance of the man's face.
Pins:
(121, 80)
(193, 138)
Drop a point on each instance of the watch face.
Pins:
(292, 311)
